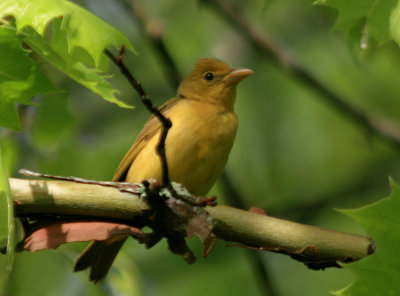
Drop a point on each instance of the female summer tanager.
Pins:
(197, 146)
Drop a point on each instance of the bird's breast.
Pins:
(197, 146)
(199, 143)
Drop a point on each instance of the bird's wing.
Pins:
(151, 128)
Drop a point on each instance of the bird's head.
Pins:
(213, 81)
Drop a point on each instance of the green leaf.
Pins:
(373, 14)
(74, 43)
(20, 78)
(378, 274)
(7, 224)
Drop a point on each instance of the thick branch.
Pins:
(306, 243)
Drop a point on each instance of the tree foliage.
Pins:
(71, 46)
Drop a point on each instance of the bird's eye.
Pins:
(209, 76)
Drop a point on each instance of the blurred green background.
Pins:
(295, 155)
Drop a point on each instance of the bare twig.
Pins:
(166, 122)
(152, 29)
(30, 173)
(135, 188)
(384, 130)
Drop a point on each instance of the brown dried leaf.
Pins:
(208, 244)
(177, 245)
(51, 235)
(195, 221)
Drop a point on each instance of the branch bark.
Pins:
(316, 247)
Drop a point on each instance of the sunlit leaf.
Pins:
(20, 78)
(74, 43)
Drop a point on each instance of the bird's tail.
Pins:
(99, 256)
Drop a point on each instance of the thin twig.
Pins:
(134, 188)
(153, 31)
(384, 130)
(166, 122)
(30, 173)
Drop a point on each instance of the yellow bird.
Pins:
(197, 146)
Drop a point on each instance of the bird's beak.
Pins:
(235, 76)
